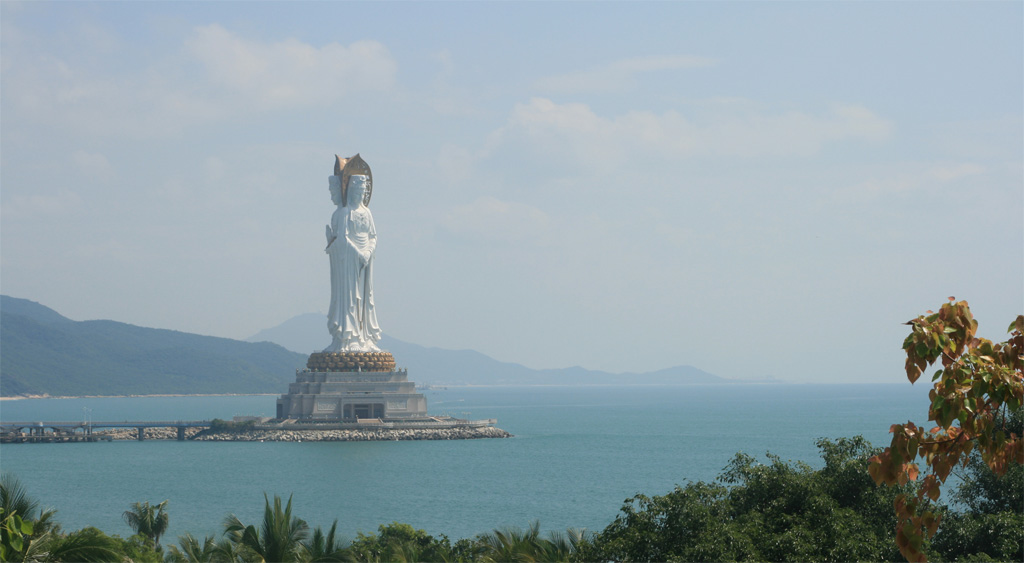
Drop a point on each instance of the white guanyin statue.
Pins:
(351, 244)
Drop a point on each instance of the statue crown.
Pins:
(352, 166)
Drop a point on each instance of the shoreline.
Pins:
(45, 396)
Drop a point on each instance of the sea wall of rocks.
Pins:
(169, 433)
(361, 435)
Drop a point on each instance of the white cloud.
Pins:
(948, 173)
(454, 162)
(41, 206)
(93, 166)
(76, 96)
(43, 84)
(574, 130)
(290, 71)
(491, 219)
(619, 75)
(910, 177)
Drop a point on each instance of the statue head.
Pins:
(358, 184)
(345, 168)
(334, 184)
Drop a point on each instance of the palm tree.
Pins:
(512, 544)
(14, 499)
(325, 548)
(560, 547)
(191, 550)
(87, 544)
(280, 537)
(36, 536)
(150, 521)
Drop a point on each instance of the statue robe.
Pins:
(352, 319)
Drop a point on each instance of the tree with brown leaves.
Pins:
(977, 385)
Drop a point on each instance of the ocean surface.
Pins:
(577, 454)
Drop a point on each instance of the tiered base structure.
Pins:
(351, 386)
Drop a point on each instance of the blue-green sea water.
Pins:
(577, 454)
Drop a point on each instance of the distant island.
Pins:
(45, 353)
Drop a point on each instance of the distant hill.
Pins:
(436, 366)
(43, 352)
(304, 334)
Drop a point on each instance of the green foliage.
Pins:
(30, 534)
(515, 544)
(23, 526)
(984, 492)
(992, 524)
(400, 542)
(14, 500)
(278, 539)
(13, 534)
(148, 521)
(775, 512)
(326, 547)
(191, 550)
(231, 427)
(968, 536)
(90, 544)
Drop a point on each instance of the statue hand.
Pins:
(330, 234)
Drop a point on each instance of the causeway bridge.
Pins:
(64, 431)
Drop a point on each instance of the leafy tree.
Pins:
(980, 381)
(400, 542)
(690, 523)
(984, 492)
(992, 522)
(148, 521)
(779, 511)
(279, 538)
(219, 426)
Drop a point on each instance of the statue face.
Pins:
(335, 187)
(356, 189)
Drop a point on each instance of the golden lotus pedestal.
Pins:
(351, 386)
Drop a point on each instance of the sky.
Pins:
(764, 189)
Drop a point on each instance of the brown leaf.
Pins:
(912, 471)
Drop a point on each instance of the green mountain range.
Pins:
(43, 352)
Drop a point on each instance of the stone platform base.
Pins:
(350, 396)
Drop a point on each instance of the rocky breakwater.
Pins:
(169, 433)
(360, 435)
